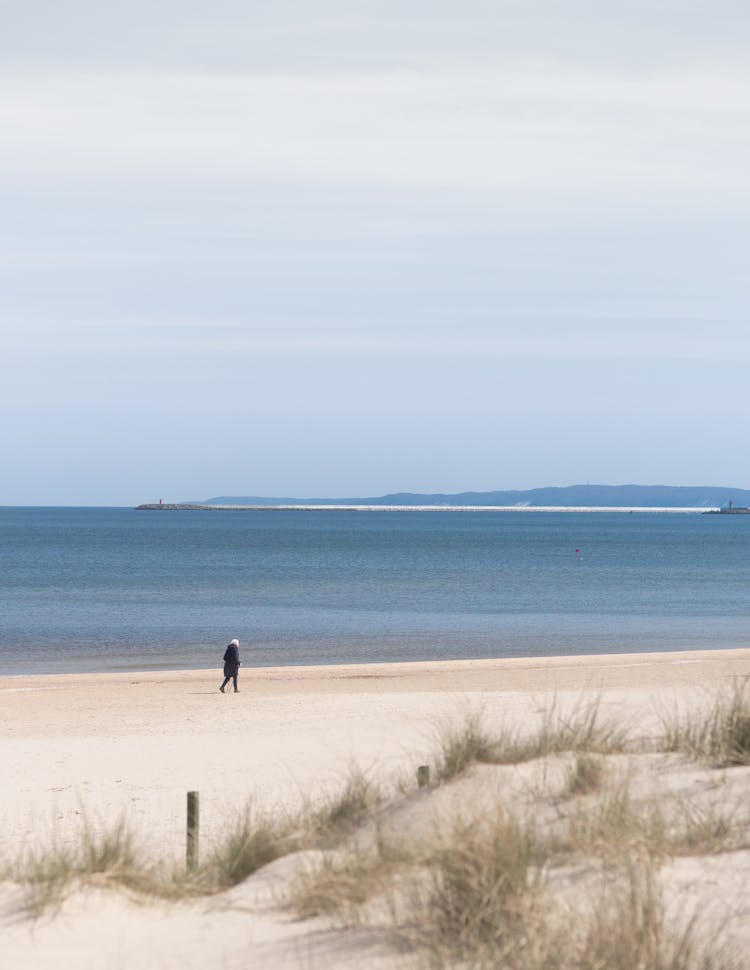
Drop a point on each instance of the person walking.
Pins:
(231, 665)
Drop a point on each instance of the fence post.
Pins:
(193, 828)
(423, 776)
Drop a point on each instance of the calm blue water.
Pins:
(115, 589)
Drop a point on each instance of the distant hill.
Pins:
(602, 496)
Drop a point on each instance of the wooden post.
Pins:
(423, 776)
(193, 829)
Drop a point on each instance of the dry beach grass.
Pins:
(577, 836)
(476, 890)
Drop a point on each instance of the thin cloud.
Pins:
(536, 128)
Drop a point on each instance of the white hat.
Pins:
(234, 643)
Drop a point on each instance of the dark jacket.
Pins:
(231, 660)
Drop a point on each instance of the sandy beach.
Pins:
(103, 746)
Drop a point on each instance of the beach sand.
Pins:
(97, 747)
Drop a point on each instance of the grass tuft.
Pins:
(107, 856)
(45, 875)
(628, 930)
(478, 892)
(470, 742)
(346, 809)
(111, 852)
(610, 827)
(582, 732)
(585, 775)
(720, 735)
(462, 745)
(339, 884)
(703, 831)
(252, 841)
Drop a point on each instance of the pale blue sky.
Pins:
(341, 248)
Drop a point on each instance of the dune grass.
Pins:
(109, 856)
(476, 895)
(585, 775)
(342, 882)
(719, 735)
(613, 825)
(583, 731)
(475, 891)
(704, 831)
(606, 826)
(357, 798)
(106, 857)
(478, 890)
(251, 840)
(460, 745)
(627, 929)
(479, 897)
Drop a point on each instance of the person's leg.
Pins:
(226, 681)
(236, 688)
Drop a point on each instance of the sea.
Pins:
(115, 589)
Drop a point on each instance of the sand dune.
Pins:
(105, 746)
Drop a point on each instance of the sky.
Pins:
(343, 248)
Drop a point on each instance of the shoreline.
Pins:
(457, 674)
(393, 668)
